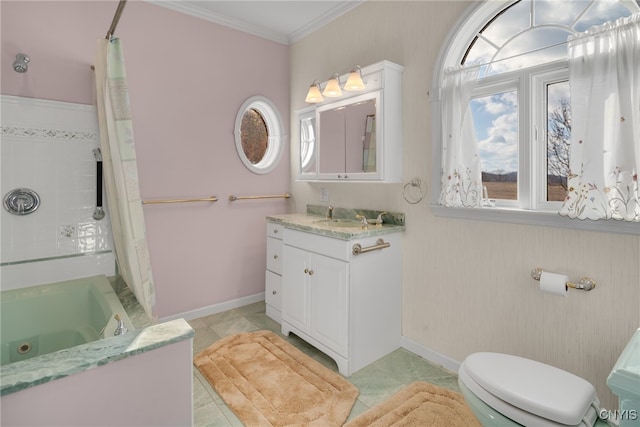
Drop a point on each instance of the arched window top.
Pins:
(503, 36)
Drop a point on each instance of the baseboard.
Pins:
(431, 355)
(215, 308)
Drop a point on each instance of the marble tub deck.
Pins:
(376, 382)
(49, 367)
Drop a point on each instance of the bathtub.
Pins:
(43, 319)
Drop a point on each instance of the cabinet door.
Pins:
(329, 302)
(295, 288)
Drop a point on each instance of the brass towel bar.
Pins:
(380, 244)
(203, 199)
(278, 196)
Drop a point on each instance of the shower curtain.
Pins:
(121, 174)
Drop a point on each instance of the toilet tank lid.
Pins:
(532, 386)
(624, 379)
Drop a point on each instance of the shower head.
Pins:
(20, 64)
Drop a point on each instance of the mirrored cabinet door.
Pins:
(360, 140)
(348, 133)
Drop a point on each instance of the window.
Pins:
(520, 104)
(258, 135)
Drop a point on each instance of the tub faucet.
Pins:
(329, 215)
(121, 328)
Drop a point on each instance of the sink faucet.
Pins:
(379, 220)
(329, 215)
(363, 221)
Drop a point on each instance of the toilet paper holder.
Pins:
(585, 283)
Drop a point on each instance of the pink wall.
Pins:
(187, 79)
(153, 388)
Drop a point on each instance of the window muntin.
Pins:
(537, 28)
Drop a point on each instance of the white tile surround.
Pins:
(47, 147)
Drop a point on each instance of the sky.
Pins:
(496, 117)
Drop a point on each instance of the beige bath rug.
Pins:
(268, 382)
(419, 404)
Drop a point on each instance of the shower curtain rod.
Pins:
(116, 18)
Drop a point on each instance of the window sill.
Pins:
(548, 219)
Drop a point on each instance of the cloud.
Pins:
(496, 121)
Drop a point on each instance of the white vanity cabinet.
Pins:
(273, 273)
(346, 305)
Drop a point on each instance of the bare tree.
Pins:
(558, 142)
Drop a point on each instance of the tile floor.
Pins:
(376, 382)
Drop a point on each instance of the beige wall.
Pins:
(466, 284)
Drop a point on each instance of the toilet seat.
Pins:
(530, 392)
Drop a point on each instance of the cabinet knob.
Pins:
(310, 272)
(274, 292)
(275, 231)
(275, 256)
(306, 271)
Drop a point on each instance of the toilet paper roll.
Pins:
(555, 284)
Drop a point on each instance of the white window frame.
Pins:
(532, 207)
(275, 133)
(539, 117)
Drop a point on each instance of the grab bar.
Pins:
(278, 196)
(380, 244)
(203, 199)
(98, 213)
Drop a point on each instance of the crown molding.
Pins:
(193, 9)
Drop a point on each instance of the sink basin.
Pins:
(338, 222)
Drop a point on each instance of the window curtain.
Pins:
(121, 174)
(461, 173)
(604, 73)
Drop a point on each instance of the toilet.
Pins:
(506, 390)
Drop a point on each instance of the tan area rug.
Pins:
(419, 404)
(268, 382)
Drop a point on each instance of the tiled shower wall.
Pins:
(47, 147)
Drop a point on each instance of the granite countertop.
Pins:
(344, 225)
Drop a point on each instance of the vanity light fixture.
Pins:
(354, 81)
(313, 95)
(332, 90)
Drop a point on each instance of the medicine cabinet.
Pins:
(358, 136)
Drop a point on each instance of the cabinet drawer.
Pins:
(274, 255)
(274, 230)
(334, 248)
(272, 287)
